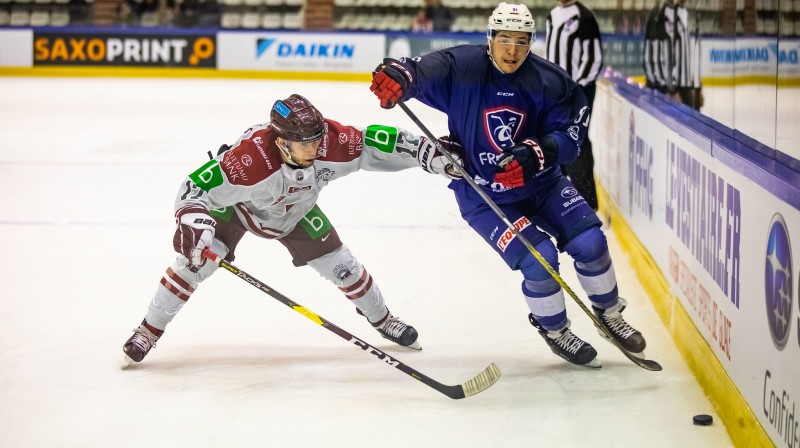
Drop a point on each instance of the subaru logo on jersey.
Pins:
(502, 125)
(778, 281)
(568, 192)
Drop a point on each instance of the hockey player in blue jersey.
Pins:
(518, 117)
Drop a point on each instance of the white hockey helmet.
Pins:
(511, 17)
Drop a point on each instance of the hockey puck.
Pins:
(702, 419)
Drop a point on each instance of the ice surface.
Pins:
(90, 169)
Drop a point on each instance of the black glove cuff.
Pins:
(549, 145)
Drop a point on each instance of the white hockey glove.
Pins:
(432, 160)
(194, 233)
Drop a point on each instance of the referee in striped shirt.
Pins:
(573, 42)
(668, 54)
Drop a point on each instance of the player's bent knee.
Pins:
(339, 266)
(590, 246)
(531, 268)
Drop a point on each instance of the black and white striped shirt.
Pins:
(573, 42)
(668, 49)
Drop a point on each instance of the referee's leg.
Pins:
(581, 173)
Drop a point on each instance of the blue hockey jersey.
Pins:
(489, 111)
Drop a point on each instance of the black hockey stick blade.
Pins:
(477, 384)
(647, 364)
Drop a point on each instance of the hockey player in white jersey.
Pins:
(267, 183)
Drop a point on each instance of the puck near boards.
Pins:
(702, 419)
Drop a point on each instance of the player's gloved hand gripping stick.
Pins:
(477, 384)
(643, 363)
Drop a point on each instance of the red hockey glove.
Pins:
(389, 82)
(519, 164)
(433, 160)
(194, 233)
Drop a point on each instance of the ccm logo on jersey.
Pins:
(508, 236)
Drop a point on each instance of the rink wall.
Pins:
(711, 226)
(140, 52)
(144, 52)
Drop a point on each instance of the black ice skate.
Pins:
(138, 345)
(397, 331)
(568, 346)
(628, 337)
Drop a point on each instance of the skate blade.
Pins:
(126, 362)
(593, 364)
(639, 355)
(414, 346)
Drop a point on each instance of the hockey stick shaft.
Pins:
(644, 363)
(477, 384)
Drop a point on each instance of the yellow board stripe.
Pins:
(163, 72)
(739, 81)
(751, 80)
(740, 421)
(181, 72)
(305, 312)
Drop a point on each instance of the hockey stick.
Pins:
(479, 383)
(643, 363)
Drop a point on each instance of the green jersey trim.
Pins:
(224, 213)
(383, 138)
(316, 224)
(207, 176)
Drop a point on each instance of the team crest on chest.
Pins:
(502, 125)
(324, 175)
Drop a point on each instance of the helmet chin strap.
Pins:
(491, 58)
(286, 153)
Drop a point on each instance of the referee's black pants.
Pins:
(581, 171)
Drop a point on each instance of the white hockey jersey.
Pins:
(268, 196)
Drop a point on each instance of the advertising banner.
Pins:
(750, 57)
(120, 49)
(724, 243)
(307, 52)
(413, 45)
(15, 48)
